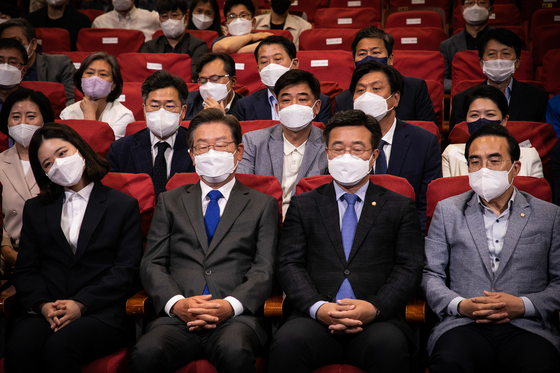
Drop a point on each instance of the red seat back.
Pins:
(411, 4)
(414, 18)
(112, 41)
(327, 39)
(331, 89)
(427, 65)
(428, 126)
(54, 91)
(285, 33)
(435, 89)
(99, 135)
(417, 38)
(131, 98)
(548, 39)
(529, 7)
(309, 7)
(551, 72)
(345, 17)
(396, 184)
(91, 13)
(543, 17)
(207, 35)
(53, 39)
(375, 4)
(136, 67)
(254, 125)
(76, 57)
(323, 64)
(247, 72)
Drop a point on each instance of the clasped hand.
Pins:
(493, 308)
(202, 312)
(62, 312)
(346, 316)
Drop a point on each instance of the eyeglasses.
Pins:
(12, 62)
(483, 3)
(356, 152)
(213, 79)
(169, 107)
(220, 146)
(232, 17)
(492, 164)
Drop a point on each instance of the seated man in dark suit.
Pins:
(173, 19)
(349, 259)
(500, 51)
(373, 44)
(275, 55)
(476, 14)
(216, 80)
(406, 150)
(492, 273)
(160, 150)
(555, 158)
(293, 148)
(41, 67)
(207, 288)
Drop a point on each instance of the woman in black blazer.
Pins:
(72, 276)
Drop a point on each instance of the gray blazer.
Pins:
(238, 263)
(57, 69)
(456, 246)
(264, 154)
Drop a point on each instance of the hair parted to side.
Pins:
(214, 116)
(117, 77)
(25, 94)
(163, 79)
(352, 118)
(496, 130)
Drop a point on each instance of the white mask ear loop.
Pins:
(393, 104)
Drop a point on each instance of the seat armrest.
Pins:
(273, 306)
(416, 311)
(137, 305)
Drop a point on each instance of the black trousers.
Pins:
(493, 348)
(303, 345)
(34, 347)
(231, 347)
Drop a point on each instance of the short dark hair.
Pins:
(216, 25)
(25, 94)
(502, 36)
(229, 63)
(491, 2)
(214, 116)
(373, 32)
(164, 6)
(354, 118)
(9, 43)
(112, 61)
(9, 9)
(247, 3)
(283, 41)
(26, 27)
(96, 166)
(498, 131)
(295, 76)
(488, 92)
(394, 78)
(163, 79)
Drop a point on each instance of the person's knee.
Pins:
(147, 352)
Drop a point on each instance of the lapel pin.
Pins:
(522, 215)
(374, 203)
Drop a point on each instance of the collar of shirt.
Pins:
(224, 189)
(129, 15)
(154, 140)
(228, 106)
(342, 204)
(289, 147)
(272, 101)
(488, 212)
(508, 88)
(470, 39)
(84, 193)
(388, 138)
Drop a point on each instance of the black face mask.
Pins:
(280, 6)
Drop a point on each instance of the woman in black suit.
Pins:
(80, 247)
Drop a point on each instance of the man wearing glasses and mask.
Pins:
(209, 260)
(13, 65)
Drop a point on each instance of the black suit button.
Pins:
(208, 272)
(346, 272)
(72, 271)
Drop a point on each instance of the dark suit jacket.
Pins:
(256, 107)
(57, 69)
(416, 156)
(415, 103)
(194, 104)
(555, 158)
(238, 262)
(103, 271)
(527, 103)
(384, 266)
(132, 154)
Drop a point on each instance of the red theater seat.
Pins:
(207, 35)
(345, 18)
(375, 4)
(435, 89)
(417, 38)
(99, 135)
(53, 39)
(335, 66)
(543, 17)
(414, 18)
(247, 72)
(112, 41)
(309, 7)
(54, 91)
(427, 65)
(136, 67)
(551, 72)
(131, 97)
(327, 39)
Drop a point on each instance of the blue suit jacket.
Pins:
(132, 154)
(256, 107)
(416, 156)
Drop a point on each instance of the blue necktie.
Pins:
(381, 161)
(211, 219)
(349, 224)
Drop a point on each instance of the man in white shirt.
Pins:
(293, 148)
(208, 264)
(127, 16)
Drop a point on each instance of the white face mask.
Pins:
(348, 170)
(214, 166)
(240, 27)
(296, 117)
(498, 71)
(475, 15)
(67, 171)
(172, 28)
(22, 133)
(9, 75)
(163, 123)
(217, 91)
(272, 72)
(122, 5)
(373, 105)
(489, 184)
(27, 50)
(202, 21)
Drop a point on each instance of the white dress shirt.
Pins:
(168, 152)
(388, 138)
(222, 202)
(26, 165)
(292, 161)
(137, 19)
(73, 211)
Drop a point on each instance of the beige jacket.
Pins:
(294, 24)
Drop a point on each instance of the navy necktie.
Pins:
(349, 224)
(211, 219)
(159, 177)
(381, 161)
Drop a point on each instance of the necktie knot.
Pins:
(162, 146)
(381, 145)
(350, 198)
(214, 195)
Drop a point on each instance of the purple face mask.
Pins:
(95, 87)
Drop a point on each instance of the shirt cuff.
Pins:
(171, 302)
(452, 306)
(315, 307)
(236, 305)
(529, 307)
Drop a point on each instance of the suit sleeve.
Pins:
(239, 110)
(456, 115)
(447, 70)
(543, 102)
(432, 171)
(424, 106)
(326, 112)
(247, 164)
(113, 156)
(66, 77)
(148, 47)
